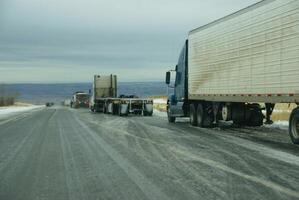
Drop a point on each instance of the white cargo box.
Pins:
(105, 86)
(251, 55)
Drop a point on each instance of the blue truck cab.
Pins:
(177, 102)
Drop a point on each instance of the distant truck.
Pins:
(104, 99)
(235, 67)
(49, 104)
(67, 102)
(80, 100)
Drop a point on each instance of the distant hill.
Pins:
(41, 93)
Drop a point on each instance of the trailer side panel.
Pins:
(250, 55)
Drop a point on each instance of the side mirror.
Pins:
(167, 79)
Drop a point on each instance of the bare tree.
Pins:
(6, 97)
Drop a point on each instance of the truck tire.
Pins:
(294, 126)
(119, 111)
(238, 114)
(256, 116)
(171, 119)
(193, 115)
(204, 118)
(200, 115)
(226, 113)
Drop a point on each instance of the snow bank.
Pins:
(10, 110)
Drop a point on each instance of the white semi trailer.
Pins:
(104, 99)
(230, 67)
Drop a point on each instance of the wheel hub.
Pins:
(226, 113)
(295, 129)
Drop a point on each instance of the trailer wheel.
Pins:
(208, 116)
(256, 116)
(200, 115)
(238, 114)
(193, 115)
(204, 118)
(294, 126)
(226, 113)
(171, 119)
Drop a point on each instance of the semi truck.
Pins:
(238, 67)
(104, 99)
(80, 100)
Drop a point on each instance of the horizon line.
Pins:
(49, 83)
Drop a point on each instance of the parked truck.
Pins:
(104, 99)
(80, 100)
(235, 67)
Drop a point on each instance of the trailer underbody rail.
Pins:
(124, 106)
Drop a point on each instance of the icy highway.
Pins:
(65, 154)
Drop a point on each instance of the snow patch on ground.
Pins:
(159, 113)
(10, 110)
(284, 125)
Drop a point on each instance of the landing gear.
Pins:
(92, 109)
(269, 111)
(294, 126)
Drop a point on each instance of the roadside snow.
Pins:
(6, 111)
(160, 101)
(284, 125)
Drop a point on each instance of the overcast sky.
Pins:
(70, 40)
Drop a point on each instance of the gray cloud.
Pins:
(137, 38)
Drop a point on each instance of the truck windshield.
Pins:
(83, 97)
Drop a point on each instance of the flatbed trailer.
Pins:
(104, 99)
(125, 106)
